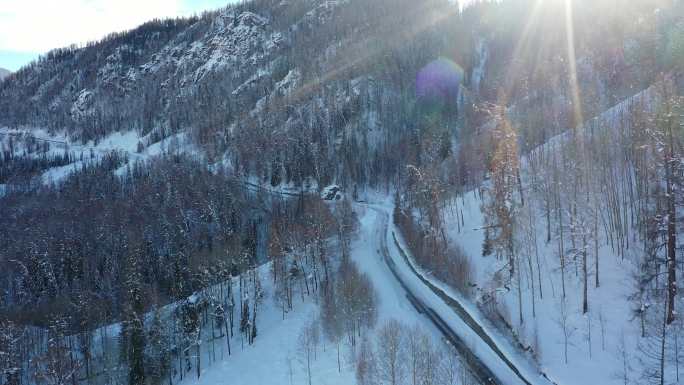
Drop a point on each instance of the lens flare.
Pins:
(440, 81)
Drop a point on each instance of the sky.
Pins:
(29, 28)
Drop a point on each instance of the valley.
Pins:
(386, 192)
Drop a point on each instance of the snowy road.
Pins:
(491, 362)
(484, 375)
(274, 358)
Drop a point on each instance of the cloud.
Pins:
(40, 25)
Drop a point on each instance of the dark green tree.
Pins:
(132, 326)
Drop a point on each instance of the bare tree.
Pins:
(56, 366)
(452, 370)
(306, 346)
(565, 323)
(625, 372)
(413, 352)
(357, 300)
(390, 345)
(500, 207)
(332, 320)
(431, 361)
(366, 364)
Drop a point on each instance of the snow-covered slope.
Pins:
(274, 358)
(130, 145)
(611, 325)
(602, 345)
(491, 348)
(269, 78)
(4, 73)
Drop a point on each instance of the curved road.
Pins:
(479, 367)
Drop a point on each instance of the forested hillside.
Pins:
(569, 239)
(529, 147)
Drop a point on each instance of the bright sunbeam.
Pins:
(366, 50)
(523, 45)
(527, 42)
(570, 38)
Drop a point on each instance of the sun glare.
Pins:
(570, 37)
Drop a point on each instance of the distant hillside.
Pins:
(4, 73)
(280, 79)
(169, 159)
(327, 90)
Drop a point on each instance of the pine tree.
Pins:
(158, 355)
(132, 326)
(11, 336)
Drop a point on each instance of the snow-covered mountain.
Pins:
(326, 87)
(4, 73)
(269, 77)
(168, 167)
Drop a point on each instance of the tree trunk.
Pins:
(671, 246)
(596, 247)
(308, 365)
(198, 358)
(585, 300)
(228, 333)
(561, 245)
(662, 350)
(520, 306)
(339, 366)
